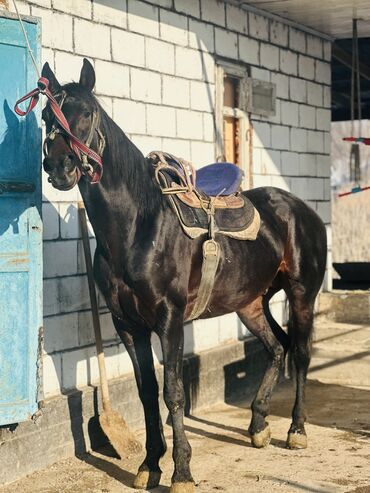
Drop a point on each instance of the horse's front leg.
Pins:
(172, 341)
(138, 346)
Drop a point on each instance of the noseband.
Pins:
(81, 150)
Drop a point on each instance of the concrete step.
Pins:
(345, 306)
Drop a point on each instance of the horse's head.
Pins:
(79, 107)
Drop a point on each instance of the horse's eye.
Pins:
(87, 114)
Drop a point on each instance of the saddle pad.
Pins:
(219, 179)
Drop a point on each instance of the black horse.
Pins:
(149, 272)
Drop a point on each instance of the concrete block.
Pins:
(290, 163)
(269, 56)
(67, 66)
(76, 370)
(145, 86)
(160, 56)
(289, 113)
(249, 50)
(161, 121)
(213, 11)
(282, 85)
(59, 258)
(261, 181)
(315, 141)
(61, 332)
(85, 329)
(280, 137)
(324, 211)
(50, 297)
(314, 46)
(228, 328)
(327, 51)
(327, 97)
(323, 72)
(323, 119)
(189, 124)
(47, 55)
(23, 7)
(297, 40)
(112, 362)
(236, 19)
(69, 224)
(288, 62)
(314, 94)
(257, 160)
(323, 165)
(147, 144)
(50, 220)
(130, 115)
(299, 187)
(59, 31)
(226, 43)
(173, 27)
(124, 361)
(306, 67)
(51, 374)
(201, 36)
(202, 153)
(307, 116)
(298, 90)
(279, 33)
(315, 188)
(51, 194)
(258, 26)
(298, 139)
(261, 74)
(175, 91)
(270, 162)
(156, 349)
(143, 18)
(208, 128)
(327, 188)
(193, 64)
(327, 142)
(112, 79)
(112, 12)
(202, 96)
(178, 147)
(92, 39)
(189, 7)
(80, 8)
(128, 48)
(73, 294)
(261, 134)
(205, 334)
(307, 165)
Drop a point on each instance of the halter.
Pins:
(81, 150)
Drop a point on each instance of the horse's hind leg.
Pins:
(139, 348)
(300, 330)
(254, 318)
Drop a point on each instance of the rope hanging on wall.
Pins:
(355, 157)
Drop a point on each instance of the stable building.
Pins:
(206, 80)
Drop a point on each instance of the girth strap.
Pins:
(211, 258)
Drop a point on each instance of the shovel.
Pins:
(112, 423)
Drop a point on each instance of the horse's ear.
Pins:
(46, 72)
(87, 77)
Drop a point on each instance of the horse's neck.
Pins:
(127, 195)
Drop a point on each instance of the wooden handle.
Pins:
(94, 308)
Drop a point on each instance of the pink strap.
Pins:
(76, 145)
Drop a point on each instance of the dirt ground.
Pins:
(338, 429)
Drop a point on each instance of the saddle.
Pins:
(207, 200)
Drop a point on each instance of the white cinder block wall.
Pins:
(155, 64)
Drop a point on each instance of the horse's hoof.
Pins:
(296, 441)
(262, 438)
(145, 479)
(182, 487)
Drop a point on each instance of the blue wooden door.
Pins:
(20, 227)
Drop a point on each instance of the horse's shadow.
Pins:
(18, 139)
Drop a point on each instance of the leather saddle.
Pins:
(207, 200)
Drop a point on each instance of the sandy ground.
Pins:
(337, 459)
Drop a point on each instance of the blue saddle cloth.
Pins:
(219, 179)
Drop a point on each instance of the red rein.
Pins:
(76, 145)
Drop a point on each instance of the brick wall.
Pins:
(155, 66)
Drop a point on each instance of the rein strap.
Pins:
(81, 150)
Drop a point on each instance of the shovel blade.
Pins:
(119, 434)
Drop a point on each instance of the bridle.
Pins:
(81, 150)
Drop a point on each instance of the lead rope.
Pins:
(27, 41)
